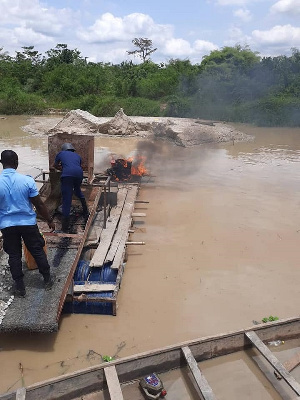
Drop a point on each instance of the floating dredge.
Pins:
(87, 263)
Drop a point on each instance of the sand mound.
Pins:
(181, 131)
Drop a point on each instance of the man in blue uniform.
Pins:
(18, 195)
(69, 162)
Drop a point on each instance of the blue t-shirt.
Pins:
(71, 164)
(15, 205)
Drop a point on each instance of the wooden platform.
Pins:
(40, 310)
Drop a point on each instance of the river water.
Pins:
(222, 236)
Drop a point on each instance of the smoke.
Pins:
(102, 159)
(146, 151)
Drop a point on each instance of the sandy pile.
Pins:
(184, 132)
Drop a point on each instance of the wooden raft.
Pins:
(111, 249)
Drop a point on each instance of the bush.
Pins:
(177, 107)
(109, 106)
(17, 102)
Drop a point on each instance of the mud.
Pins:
(222, 238)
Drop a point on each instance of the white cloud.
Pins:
(177, 48)
(110, 28)
(290, 7)
(243, 14)
(279, 35)
(204, 47)
(27, 22)
(26, 36)
(236, 36)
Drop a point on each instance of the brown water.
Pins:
(222, 235)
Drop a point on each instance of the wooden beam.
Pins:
(94, 287)
(276, 364)
(200, 379)
(290, 364)
(115, 254)
(135, 243)
(113, 383)
(139, 214)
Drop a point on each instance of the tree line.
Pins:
(231, 84)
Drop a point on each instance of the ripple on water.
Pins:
(271, 155)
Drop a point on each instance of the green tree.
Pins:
(62, 55)
(144, 48)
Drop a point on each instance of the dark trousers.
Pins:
(69, 185)
(34, 241)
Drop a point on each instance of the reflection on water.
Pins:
(221, 250)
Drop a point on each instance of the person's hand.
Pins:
(51, 225)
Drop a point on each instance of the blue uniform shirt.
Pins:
(15, 205)
(71, 164)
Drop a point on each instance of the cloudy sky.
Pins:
(103, 29)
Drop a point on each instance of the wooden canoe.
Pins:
(116, 376)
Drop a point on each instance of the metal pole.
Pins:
(104, 205)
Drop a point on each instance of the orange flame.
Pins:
(138, 166)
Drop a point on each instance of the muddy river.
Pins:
(222, 236)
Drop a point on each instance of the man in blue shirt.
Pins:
(69, 162)
(18, 195)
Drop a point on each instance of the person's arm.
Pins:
(57, 164)
(42, 210)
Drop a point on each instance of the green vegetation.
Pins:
(231, 84)
(270, 319)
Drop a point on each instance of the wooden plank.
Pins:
(21, 394)
(113, 383)
(117, 247)
(107, 234)
(200, 379)
(76, 384)
(290, 364)
(139, 214)
(78, 254)
(96, 229)
(269, 356)
(94, 287)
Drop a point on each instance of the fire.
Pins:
(126, 169)
(138, 166)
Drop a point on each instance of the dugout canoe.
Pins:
(118, 379)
